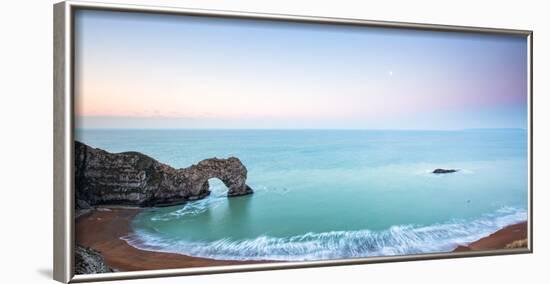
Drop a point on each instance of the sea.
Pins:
(333, 194)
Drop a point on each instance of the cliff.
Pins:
(135, 179)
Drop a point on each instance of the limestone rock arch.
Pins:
(135, 179)
(230, 171)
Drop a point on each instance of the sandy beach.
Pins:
(102, 230)
(500, 239)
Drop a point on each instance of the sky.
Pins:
(136, 70)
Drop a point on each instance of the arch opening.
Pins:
(217, 187)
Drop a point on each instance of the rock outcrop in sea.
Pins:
(89, 261)
(444, 171)
(135, 179)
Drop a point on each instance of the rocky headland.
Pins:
(135, 179)
(132, 179)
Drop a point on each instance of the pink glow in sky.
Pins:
(160, 71)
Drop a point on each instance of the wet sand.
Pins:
(102, 230)
(499, 239)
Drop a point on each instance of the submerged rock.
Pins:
(444, 171)
(89, 261)
(135, 179)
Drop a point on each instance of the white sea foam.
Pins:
(217, 197)
(396, 240)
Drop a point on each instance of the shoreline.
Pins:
(510, 235)
(103, 228)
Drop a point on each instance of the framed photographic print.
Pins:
(195, 141)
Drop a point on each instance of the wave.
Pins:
(396, 240)
(217, 197)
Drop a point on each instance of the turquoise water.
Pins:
(328, 194)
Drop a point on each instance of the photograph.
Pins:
(207, 141)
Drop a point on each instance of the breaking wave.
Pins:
(396, 240)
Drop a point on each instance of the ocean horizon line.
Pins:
(304, 129)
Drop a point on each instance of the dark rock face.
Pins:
(89, 261)
(444, 171)
(134, 179)
(81, 204)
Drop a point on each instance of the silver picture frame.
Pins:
(64, 241)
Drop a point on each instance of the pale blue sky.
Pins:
(165, 71)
